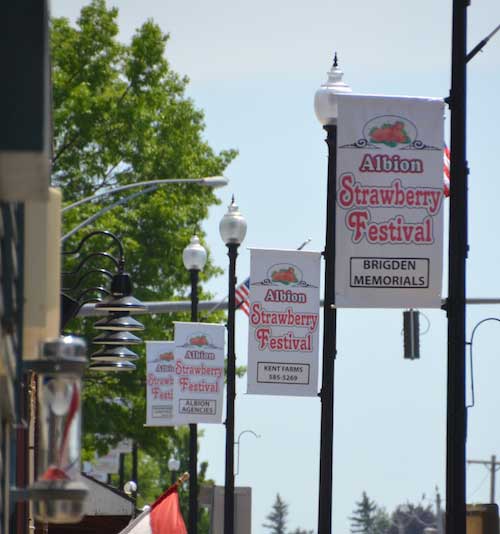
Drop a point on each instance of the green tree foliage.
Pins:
(364, 518)
(276, 519)
(120, 116)
(369, 518)
(412, 519)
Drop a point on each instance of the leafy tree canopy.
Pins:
(120, 116)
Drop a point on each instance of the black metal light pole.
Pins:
(325, 104)
(456, 410)
(135, 472)
(232, 229)
(456, 434)
(193, 429)
(329, 345)
(194, 257)
(230, 395)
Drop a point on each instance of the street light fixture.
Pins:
(149, 187)
(237, 443)
(325, 99)
(173, 466)
(210, 181)
(232, 228)
(326, 108)
(117, 328)
(194, 257)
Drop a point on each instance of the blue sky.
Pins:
(254, 68)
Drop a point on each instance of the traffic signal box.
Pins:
(411, 333)
(482, 519)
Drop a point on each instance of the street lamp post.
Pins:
(325, 105)
(233, 228)
(194, 257)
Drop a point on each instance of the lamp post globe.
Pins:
(194, 255)
(173, 464)
(325, 99)
(233, 226)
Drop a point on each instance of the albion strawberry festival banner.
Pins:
(283, 333)
(160, 380)
(389, 210)
(185, 377)
(199, 354)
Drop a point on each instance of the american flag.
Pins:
(446, 171)
(242, 292)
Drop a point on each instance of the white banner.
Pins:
(160, 383)
(283, 336)
(389, 212)
(185, 380)
(199, 354)
(109, 463)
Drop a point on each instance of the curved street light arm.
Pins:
(90, 272)
(124, 200)
(104, 233)
(88, 257)
(210, 181)
(473, 397)
(237, 442)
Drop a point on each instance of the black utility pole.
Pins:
(231, 394)
(329, 343)
(456, 410)
(193, 428)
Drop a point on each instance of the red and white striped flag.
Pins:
(242, 292)
(164, 517)
(446, 171)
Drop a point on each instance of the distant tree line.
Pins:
(277, 519)
(367, 518)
